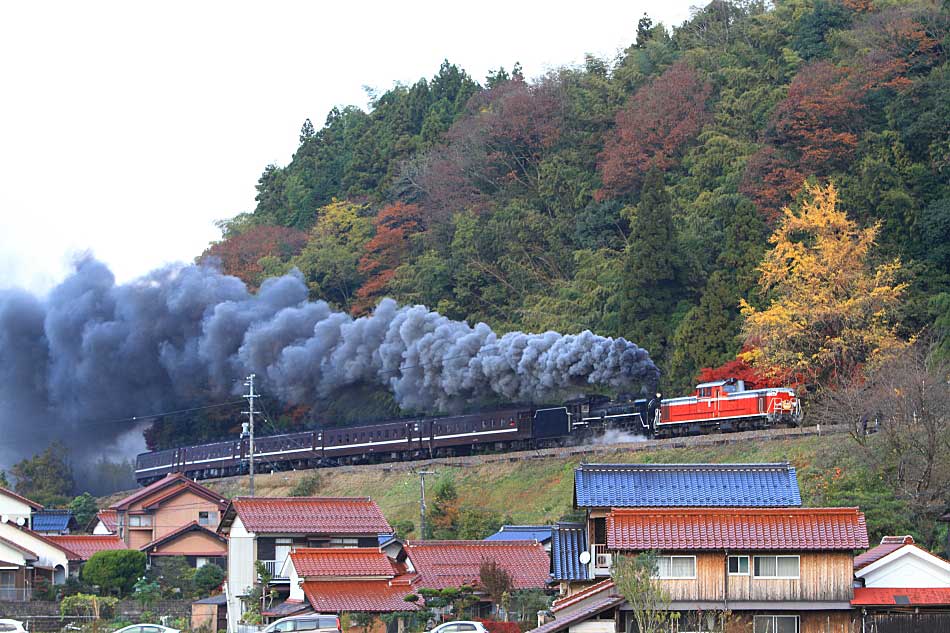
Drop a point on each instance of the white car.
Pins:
(460, 626)
(11, 626)
(147, 628)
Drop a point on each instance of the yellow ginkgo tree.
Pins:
(828, 312)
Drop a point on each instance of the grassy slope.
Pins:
(535, 490)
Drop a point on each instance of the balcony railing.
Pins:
(14, 594)
(273, 568)
(603, 559)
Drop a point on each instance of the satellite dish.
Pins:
(584, 558)
(4, 518)
(20, 521)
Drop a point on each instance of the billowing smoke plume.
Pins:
(94, 351)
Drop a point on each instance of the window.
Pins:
(466, 627)
(738, 565)
(200, 562)
(775, 624)
(284, 627)
(140, 520)
(776, 566)
(673, 567)
(306, 625)
(344, 542)
(207, 518)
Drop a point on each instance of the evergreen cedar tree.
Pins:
(533, 202)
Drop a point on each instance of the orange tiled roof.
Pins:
(375, 596)
(880, 596)
(109, 519)
(442, 564)
(326, 561)
(888, 544)
(747, 528)
(172, 479)
(311, 515)
(85, 545)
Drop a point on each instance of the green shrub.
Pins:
(114, 571)
(84, 604)
(208, 578)
(307, 486)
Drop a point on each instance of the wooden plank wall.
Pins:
(823, 576)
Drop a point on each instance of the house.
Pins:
(453, 564)
(27, 557)
(105, 522)
(539, 533)
(16, 509)
(900, 582)
(338, 580)
(266, 529)
(53, 522)
(163, 508)
(600, 488)
(199, 545)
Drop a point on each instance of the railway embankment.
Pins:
(532, 486)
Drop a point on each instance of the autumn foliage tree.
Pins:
(813, 131)
(241, 254)
(653, 128)
(388, 248)
(828, 311)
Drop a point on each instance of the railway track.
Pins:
(592, 450)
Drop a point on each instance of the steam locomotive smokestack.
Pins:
(183, 335)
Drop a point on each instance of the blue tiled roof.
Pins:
(570, 539)
(710, 485)
(51, 520)
(539, 533)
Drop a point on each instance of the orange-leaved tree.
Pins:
(388, 249)
(828, 311)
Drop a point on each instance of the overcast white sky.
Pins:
(128, 128)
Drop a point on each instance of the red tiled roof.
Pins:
(28, 502)
(746, 528)
(172, 479)
(880, 596)
(310, 515)
(442, 564)
(377, 596)
(110, 519)
(86, 545)
(326, 561)
(190, 527)
(888, 544)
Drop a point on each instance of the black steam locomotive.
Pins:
(508, 429)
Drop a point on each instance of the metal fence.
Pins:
(908, 622)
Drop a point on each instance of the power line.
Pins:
(137, 418)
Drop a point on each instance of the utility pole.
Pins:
(422, 503)
(250, 419)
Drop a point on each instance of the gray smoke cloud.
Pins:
(94, 351)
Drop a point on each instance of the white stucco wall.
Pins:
(49, 556)
(907, 567)
(593, 626)
(241, 571)
(14, 509)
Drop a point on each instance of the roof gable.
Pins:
(728, 528)
(9, 493)
(307, 515)
(183, 530)
(442, 564)
(166, 488)
(108, 518)
(685, 485)
(907, 566)
(373, 596)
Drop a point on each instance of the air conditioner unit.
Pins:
(603, 560)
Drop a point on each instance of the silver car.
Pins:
(312, 623)
(147, 628)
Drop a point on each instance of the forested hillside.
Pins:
(644, 196)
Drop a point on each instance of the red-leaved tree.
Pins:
(653, 128)
(240, 255)
(388, 249)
